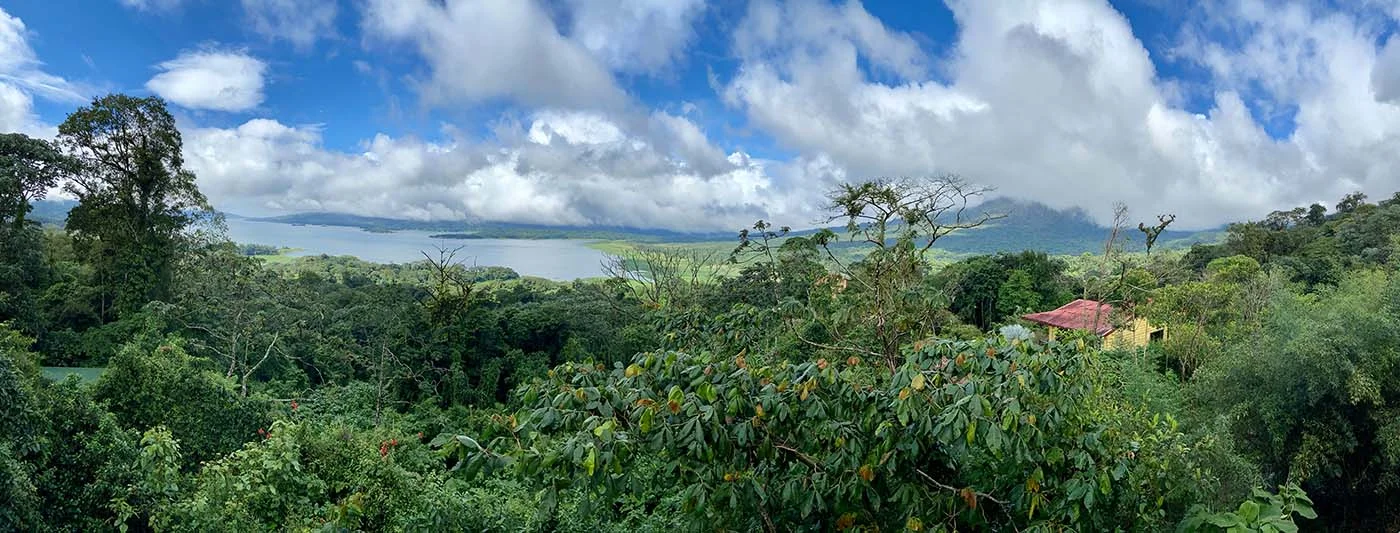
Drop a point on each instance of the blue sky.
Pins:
(696, 114)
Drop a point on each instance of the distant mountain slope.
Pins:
(54, 212)
(1028, 225)
(1035, 226)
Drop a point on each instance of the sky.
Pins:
(710, 114)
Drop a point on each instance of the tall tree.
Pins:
(1351, 202)
(1317, 214)
(1018, 294)
(28, 169)
(135, 196)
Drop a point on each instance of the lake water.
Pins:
(557, 259)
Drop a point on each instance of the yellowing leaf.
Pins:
(918, 382)
(846, 521)
(866, 473)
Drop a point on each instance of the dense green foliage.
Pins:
(134, 197)
(798, 386)
(996, 434)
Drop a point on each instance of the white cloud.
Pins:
(642, 36)
(17, 113)
(1058, 101)
(152, 5)
(22, 78)
(1324, 68)
(809, 30)
(565, 167)
(300, 22)
(478, 51)
(1385, 77)
(1051, 100)
(220, 80)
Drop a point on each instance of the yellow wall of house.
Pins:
(1136, 334)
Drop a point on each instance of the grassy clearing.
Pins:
(282, 257)
(85, 374)
(715, 254)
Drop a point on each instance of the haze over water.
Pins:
(557, 259)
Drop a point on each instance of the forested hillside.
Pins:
(802, 391)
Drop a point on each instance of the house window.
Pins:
(1157, 336)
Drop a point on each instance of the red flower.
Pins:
(394, 442)
(294, 405)
(420, 435)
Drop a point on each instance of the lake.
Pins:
(557, 259)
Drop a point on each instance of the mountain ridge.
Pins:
(1028, 225)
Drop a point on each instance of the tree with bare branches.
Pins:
(1152, 232)
(658, 276)
(449, 289)
(899, 220)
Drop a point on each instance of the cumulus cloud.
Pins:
(300, 22)
(563, 167)
(1058, 101)
(220, 80)
(642, 36)
(22, 78)
(1323, 68)
(1051, 100)
(479, 51)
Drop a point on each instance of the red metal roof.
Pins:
(1079, 314)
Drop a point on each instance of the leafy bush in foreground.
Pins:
(989, 434)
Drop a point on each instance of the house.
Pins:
(1117, 331)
